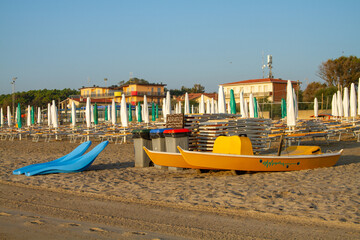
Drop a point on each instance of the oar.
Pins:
(281, 143)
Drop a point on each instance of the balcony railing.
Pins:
(93, 95)
(148, 94)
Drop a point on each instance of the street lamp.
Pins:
(105, 80)
(13, 96)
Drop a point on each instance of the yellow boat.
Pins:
(259, 163)
(168, 159)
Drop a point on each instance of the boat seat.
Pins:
(239, 145)
(301, 150)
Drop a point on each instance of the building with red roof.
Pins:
(272, 89)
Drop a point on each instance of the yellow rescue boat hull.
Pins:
(169, 159)
(259, 163)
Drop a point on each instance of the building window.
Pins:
(265, 88)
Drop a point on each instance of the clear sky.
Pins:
(69, 43)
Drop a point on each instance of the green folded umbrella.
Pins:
(153, 112)
(32, 115)
(19, 116)
(96, 116)
(232, 102)
(157, 112)
(130, 113)
(139, 113)
(256, 114)
(283, 108)
(106, 113)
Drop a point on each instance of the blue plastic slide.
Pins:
(77, 152)
(73, 165)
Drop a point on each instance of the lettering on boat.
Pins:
(271, 163)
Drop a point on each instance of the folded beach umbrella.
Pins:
(251, 106)
(221, 100)
(49, 114)
(123, 112)
(176, 108)
(109, 112)
(228, 108)
(246, 108)
(208, 107)
(186, 104)
(130, 113)
(283, 108)
(157, 111)
(28, 116)
(1, 117)
(192, 109)
(106, 113)
(339, 104)
(164, 109)
(334, 106)
(352, 101)
(256, 108)
(73, 114)
(232, 102)
(88, 113)
(212, 106)
(54, 115)
(243, 107)
(346, 104)
(19, 116)
(180, 107)
(153, 118)
(316, 107)
(168, 103)
(32, 115)
(295, 104)
(139, 118)
(202, 105)
(136, 112)
(96, 114)
(216, 107)
(146, 110)
(290, 106)
(8, 115)
(39, 116)
(91, 113)
(113, 112)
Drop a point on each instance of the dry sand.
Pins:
(320, 203)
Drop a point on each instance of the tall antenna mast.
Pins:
(269, 64)
(88, 81)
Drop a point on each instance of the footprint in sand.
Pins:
(95, 229)
(39, 222)
(70, 225)
(5, 214)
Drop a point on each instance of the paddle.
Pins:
(281, 143)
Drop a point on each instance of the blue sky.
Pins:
(66, 44)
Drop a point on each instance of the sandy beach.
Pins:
(113, 199)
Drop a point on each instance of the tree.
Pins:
(198, 88)
(341, 71)
(311, 89)
(133, 81)
(38, 98)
